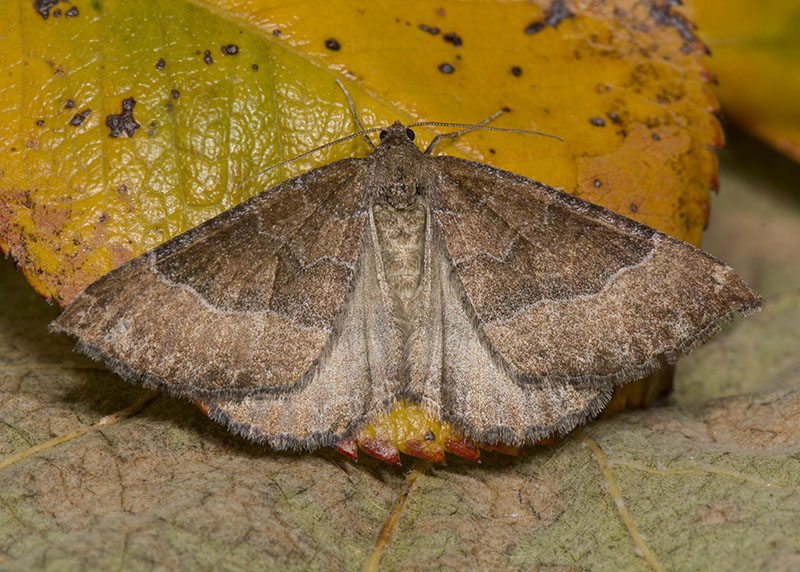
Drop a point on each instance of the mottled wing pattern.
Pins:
(564, 290)
(223, 309)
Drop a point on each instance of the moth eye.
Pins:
(410, 134)
(383, 135)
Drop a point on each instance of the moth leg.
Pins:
(460, 132)
(354, 113)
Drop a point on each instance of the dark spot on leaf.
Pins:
(333, 44)
(40, 122)
(69, 104)
(229, 50)
(598, 121)
(103, 217)
(97, 6)
(160, 64)
(656, 137)
(446, 68)
(207, 57)
(429, 436)
(57, 12)
(662, 13)
(516, 71)
(123, 123)
(597, 183)
(602, 88)
(255, 67)
(276, 32)
(71, 13)
(557, 13)
(634, 208)
(79, 118)
(492, 151)
(454, 39)
(175, 94)
(122, 190)
(43, 7)
(58, 69)
(431, 30)
(614, 117)
(505, 109)
(197, 52)
(534, 28)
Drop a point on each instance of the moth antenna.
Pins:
(467, 127)
(355, 114)
(309, 152)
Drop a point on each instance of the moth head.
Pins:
(400, 172)
(409, 133)
(397, 136)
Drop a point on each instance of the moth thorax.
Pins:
(401, 193)
(401, 236)
(400, 180)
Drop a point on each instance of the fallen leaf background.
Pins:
(709, 480)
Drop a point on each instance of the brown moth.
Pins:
(496, 302)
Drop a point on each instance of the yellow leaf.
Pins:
(756, 59)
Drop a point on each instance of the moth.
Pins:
(499, 304)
